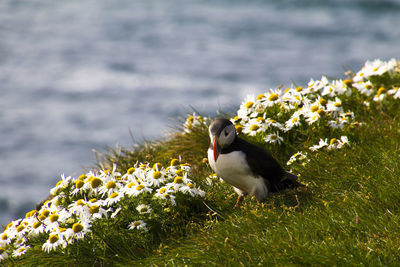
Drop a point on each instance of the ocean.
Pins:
(78, 76)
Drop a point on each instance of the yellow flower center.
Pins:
(295, 119)
(110, 184)
(157, 166)
(130, 170)
(45, 213)
(299, 89)
(179, 172)
(157, 175)
(95, 182)
(162, 190)
(108, 172)
(54, 218)
(190, 119)
(136, 223)
(239, 128)
(333, 140)
(249, 104)
(273, 97)
(82, 177)
(254, 127)
(53, 239)
(368, 86)
(348, 83)
(272, 121)
(260, 119)
(174, 162)
(2, 250)
(143, 209)
(139, 187)
(20, 228)
(322, 101)
(93, 200)
(80, 202)
(77, 227)
(190, 186)
(314, 108)
(274, 137)
(337, 104)
(30, 214)
(260, 96)
(178, 180)
(36, 224)
(381, 90)
(113, 195)
(143, 166)
(79, 184)
(4, 236)
(94, 209)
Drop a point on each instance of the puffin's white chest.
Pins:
(233, 168)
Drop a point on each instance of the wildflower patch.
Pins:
(144, 193)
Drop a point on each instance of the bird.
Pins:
(250, 169)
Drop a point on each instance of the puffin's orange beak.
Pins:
(215, 148)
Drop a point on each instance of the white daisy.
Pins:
(139, 224)
(253, 127)
(273, 138)
(113, 198)
(272, 97)
(20, 250)
(77, 231)
(134, 189)
(322, 143)
(178, 182)
(192, 190)
(155, 178)
(62, 184)
(365, 88)
(293, 121)
(143, 209)
(334, 106)
(53, 242)
(165, 193)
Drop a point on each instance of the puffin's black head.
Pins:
(222, 134)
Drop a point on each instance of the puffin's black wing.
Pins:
(263, 164)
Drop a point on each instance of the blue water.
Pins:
(80, 75)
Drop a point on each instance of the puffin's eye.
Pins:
(226, 133)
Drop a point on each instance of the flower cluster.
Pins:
(278, 115)
(377, 68)
(77, 203)
(193, 121)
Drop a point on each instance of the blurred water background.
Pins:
(80, 75)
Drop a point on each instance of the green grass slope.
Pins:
(348, 213)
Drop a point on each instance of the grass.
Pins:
(348, 214)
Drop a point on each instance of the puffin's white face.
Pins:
(222, 134)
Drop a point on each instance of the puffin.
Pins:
(250, 169)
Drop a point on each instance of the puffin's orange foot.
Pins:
(238, 201)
